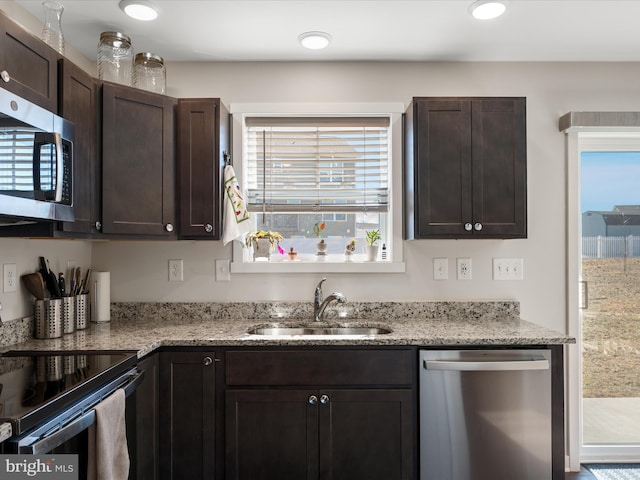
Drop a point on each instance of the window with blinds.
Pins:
(318, 179)
(320, 165)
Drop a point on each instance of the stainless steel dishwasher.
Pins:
(485, 415)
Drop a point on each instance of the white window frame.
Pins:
(394, 111)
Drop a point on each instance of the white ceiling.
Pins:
(397, 30)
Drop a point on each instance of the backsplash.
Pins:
(298, 310)
(12, 333)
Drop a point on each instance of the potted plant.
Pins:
(263, 243)
(371, 248)
(321, 246)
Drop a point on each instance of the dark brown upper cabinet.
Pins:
(138, 162)
(78, 104)
(465, 168)
(28, 66)
(203, 139)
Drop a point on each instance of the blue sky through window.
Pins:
(608, 179)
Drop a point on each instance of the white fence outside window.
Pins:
(611, 247)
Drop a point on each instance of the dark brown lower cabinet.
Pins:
(144, 464)
(339, 434)
(187, 415)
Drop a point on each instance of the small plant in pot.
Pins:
(264, 242)
(321, 246)
(371, 248)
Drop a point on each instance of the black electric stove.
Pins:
(36, 385)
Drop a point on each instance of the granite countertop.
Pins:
(146, 327)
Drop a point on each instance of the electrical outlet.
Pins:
(440, 268)
(10, 282)
(464, 268)
(175, 271)
(508, 269)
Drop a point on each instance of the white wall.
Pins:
(139, 269)
(24, 254)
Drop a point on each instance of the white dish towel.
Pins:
(108, 453)
(236, 217)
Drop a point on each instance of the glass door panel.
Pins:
(610, 315)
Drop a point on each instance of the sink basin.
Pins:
(282, 330)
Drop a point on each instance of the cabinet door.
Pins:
(78, 104)
(144, 465)
(29, 66)
(271, 434)
(366, 434)
(202, 138)
(499, 167)
(138, 162)
(442, 168)
(187, 415)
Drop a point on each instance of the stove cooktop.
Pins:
(36, 385)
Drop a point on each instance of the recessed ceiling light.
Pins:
(315, 40)
(139, 9)
(486, 10)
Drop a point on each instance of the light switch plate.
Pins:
(440, 268)
(222, 271)
(508, 269)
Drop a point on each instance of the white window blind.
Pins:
(319, 164)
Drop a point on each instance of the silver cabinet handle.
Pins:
(324, 399)
(468, 227)
(208, 228)
(5, 76)
(313, 400)
(169, 227)
(478, 227)
(207, 361)
(99, 226)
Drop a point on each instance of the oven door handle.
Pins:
(57, 438)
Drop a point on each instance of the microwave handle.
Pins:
(59, 167)
(43, 138)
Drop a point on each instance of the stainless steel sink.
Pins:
(283, 330)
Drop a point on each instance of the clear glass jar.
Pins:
(52, 31)
(149, 73)
(115, 58)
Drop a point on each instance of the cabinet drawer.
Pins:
(330, 367)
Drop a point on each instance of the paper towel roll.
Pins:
(101, 297)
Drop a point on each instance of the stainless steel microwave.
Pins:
(36, 162)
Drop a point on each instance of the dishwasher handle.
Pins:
(486, 366)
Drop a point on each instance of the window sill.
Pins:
(318, 267)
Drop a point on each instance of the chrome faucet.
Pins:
(319, 305)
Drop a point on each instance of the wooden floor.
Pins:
(583, 474)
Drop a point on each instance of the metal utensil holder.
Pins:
(47, 315)
(68, 315)
(82, 311)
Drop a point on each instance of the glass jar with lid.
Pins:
(115, 58)
(149, 73)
